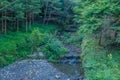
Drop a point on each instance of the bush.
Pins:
(54, 49)
(36, 39)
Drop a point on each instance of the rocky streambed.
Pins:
(34, 70)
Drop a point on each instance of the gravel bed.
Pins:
(32, 70)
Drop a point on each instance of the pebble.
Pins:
(57, 76)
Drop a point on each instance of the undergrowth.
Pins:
(15, 46)
(98, 63)
(54, 49)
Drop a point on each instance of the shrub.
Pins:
(36, 39)
(54, 49)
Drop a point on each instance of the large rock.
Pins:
(31, 70)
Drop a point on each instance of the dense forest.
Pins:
(25, 12)
(58, 28)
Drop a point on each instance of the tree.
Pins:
(58, 11)
(98, 17)
(18, 11)
(4, 16)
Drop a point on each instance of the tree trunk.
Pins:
(5, 30)
(26, 23)
(49, 17)
(17, 25)
(2, 23)
(45, 12)
(32, 18)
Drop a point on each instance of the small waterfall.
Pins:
(70, 58)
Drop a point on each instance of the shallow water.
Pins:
(71, 70)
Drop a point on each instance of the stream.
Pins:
(71, 64)
(71, 70)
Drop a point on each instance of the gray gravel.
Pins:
(32, 70)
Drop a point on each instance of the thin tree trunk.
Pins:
(5, 23)
(45, 12)
(17, 25)
(32, 18)
(100, 38)
(50, 13)
(2, 23)
(49, 17)
(26, 23)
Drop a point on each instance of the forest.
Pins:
(59, 39)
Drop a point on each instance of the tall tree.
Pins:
(100, 18)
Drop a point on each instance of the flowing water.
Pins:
(70, 63)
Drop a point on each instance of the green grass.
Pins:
(10, 45)
(46, 28)
(98, 63)
(17, 45)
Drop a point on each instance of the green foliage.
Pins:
(26, 12)
(10, 45)
(50, 28)
(75, 39)
(118, 38)
(99, 19)
(36, 39)
(64, 37)
(95, 16)
(18, 45)
(98, 64)
(60, 12)
(54, 49)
